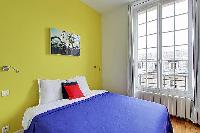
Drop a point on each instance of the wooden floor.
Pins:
(184, 126)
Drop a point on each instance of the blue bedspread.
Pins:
(104, 113)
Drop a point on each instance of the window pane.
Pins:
(168, 81)
(142, 80)
(152, 74)
(181, 37)
(181, 52)
(152, 80)
(152, 27)
(141, 67)
(142, 55)
(168, 74)
(152, 41)
(182, 67)
(168, 10)
(168, 67)
(152, 67)
(174, 49)
(142, 30)
(181, 6)
(168, 24)
(141, 17)
(152, 54)
(181, 22)
(152, 14)
(168, 39)
(181, 82)
(142, 42)
(168, 53)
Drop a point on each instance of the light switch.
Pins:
(5, 93)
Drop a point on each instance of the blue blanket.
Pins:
(104, 113)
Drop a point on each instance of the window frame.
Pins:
(158, 4)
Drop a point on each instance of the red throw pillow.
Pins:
(73, 91)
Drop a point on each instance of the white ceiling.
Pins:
(105, 5)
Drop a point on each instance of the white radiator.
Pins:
(177, 106)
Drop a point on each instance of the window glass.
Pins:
(168, 10)
(152, 54)
(181, 37)
(152, 41)
(142, 17)
(142, 30)
(181, 82)
(168, 39)
(181, 52)
(181, 22)
(141, 67)
(142, 55)
(168, 24)
(142, 42)
(152, 27)
(168, 53)
(181, 6)
(152, 14)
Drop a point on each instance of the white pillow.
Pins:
(82, 82)
(50, 90)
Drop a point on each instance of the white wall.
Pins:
(115, 49)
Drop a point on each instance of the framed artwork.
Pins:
(64, 43)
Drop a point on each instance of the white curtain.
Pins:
(130, 54)
(196, 60)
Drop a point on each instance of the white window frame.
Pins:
(146, 6)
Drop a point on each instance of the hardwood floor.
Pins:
(184, 126)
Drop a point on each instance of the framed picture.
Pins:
(64, 43)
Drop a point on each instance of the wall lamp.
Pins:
(7, 68)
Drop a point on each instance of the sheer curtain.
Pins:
(131, 53)
(196, 60)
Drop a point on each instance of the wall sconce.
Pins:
(7, 68)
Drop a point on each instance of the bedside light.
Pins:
(7, 68)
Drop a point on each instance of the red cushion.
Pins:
(73, 91)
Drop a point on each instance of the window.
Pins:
(163, 46)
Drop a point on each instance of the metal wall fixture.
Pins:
(8, 68)
(97, 67)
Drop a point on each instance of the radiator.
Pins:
(177, 106)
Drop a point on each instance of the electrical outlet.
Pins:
(5, 129)
(5, 93)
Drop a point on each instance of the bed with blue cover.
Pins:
(104, 113)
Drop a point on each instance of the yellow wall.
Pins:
(24, 43)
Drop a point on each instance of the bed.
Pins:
(100, 112)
